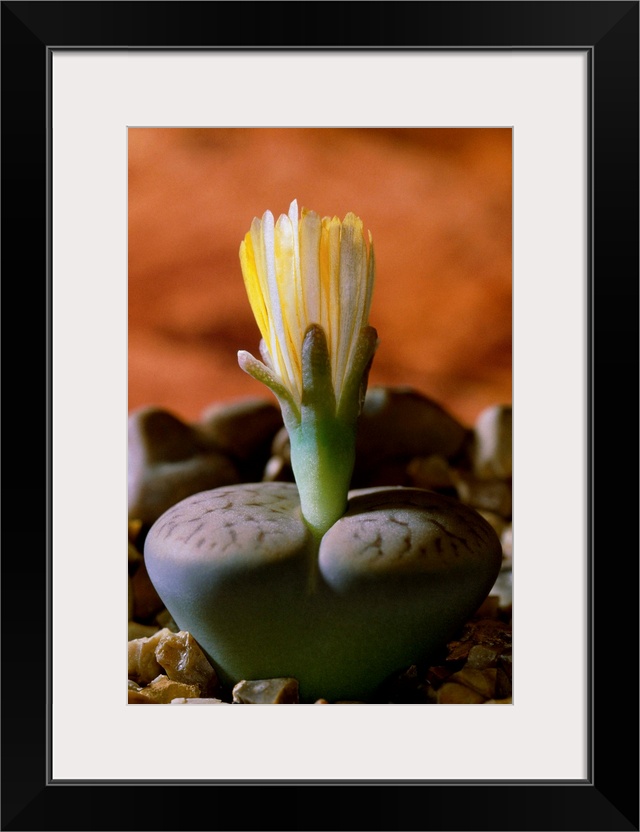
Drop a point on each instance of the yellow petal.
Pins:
(304, 271)
(330, 280)
(253, 285)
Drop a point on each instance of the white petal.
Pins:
(289, 298)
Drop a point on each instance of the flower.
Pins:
(301, 272)
(309, 282)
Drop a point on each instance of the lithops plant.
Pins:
(309, 580)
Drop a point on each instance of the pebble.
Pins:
(506, 538)
(432, 472)
(161, 691)
(279, 691)
(134, 696)
(485, 495)
(503, 587)
(452, 693)
(146, 601)
(137, 630)
(183, 661)
(482, 656)
(143, 666)
(489, 607)
(487, 631)
(492, 442)
(134, 527)
(281, 445)
(169, 460)
(401, 422)
(242, 429)
(210, 701)
(503, 684)
(176, 655)
(133, 557)
(505, 663)
(277, 470)
(130, 599)
(476, 685)
(483, 681)
(388, 472)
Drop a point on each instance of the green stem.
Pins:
(322, 431)
(322, 459)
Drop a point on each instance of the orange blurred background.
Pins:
(437, 203)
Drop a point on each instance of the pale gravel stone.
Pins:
(161, 690)
(281, 445)
(452, 693)
(506, 539)
(137, 630)
(279, 691)
(276, 470)
(482, 656)
(483, 681)
(134, 694)
(492, 444)
(503, 587)
(142, 662)
(183, 661)
(485, 495)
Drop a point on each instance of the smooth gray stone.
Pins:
(243, 429)
(168, 460)
(492, 442)
(401, 423)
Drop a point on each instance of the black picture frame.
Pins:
(608, 798)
